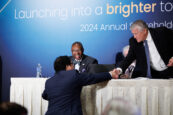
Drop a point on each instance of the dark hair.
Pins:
(61, 62)
(9, 108)
(80, 44)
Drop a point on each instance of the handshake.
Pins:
(115, 74)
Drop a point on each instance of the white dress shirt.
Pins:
(77, 66)
(155, 59)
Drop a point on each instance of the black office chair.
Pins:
(97, 68)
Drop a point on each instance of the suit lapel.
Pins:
(82, 65)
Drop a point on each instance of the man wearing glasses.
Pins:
(80, 60)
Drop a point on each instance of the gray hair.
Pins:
(140, 24)
(120, 106)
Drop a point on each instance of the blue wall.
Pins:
(37, 31)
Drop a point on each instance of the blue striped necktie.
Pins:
(148, 59)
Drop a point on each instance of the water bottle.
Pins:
(38, 70)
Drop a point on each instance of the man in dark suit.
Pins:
(64, 88)
(152, 49)
(80, 60)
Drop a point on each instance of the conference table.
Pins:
(152, 96)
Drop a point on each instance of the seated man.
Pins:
(80, 60)
(64, 88)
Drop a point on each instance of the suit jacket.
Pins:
(86, 61)
(163, 40)
(64, 88)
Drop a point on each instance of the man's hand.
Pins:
(170, 63)
(124, 76)
(115, 73)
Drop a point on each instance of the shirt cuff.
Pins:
(120, 70)
(110, 74)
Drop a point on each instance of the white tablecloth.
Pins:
(154, 97)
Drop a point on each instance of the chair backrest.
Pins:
(119, 58)
(97, 68)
